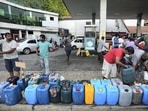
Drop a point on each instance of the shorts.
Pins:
(10, 65)
(68, 52)
(109, 70)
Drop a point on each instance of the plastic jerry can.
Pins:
(78, 94)
(95, 82)
(73, 82)
(44, 78)
(137, 95)
(33, 81)
(128, 75)
(65, 83)
(89, 94)
(145, 94)
(84, 82)
(145, 76)
(43, 93)
(116, 82)
(66, 95)
(53, 82)
(12, 94)
(31, 94)
(125, 97)
(100, 95)
(2, 86)
(20, 83)
(112, 95)
(87, 53)
(55, 94)
(106, 82)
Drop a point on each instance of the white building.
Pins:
(25, 22)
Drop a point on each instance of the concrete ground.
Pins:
(79, 69)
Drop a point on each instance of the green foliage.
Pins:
(56, 6)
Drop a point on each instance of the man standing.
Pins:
(10, 55)
(112, 58)
(100, 50)
(115, 41)
(42, 51)
(68, 48)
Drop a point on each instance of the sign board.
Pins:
(89, 43)
(20, 64)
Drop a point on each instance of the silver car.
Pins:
(27, 46)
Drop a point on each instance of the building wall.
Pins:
(49, 22)
(76, 27)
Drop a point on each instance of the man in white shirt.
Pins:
(100, 49)
(10, 54)
(121, 41)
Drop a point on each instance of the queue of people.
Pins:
(125, 51)
(43, 47)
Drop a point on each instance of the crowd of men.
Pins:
(125, 51)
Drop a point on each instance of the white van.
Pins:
(77, 43)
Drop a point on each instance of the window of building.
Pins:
(3, 9)
(30, 32)
(51, 18)
(17, 12)
(38, 17)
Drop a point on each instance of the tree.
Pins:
(56, 6)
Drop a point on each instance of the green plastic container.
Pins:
(66, 95)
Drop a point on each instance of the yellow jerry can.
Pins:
(87, 53)
(89, 94)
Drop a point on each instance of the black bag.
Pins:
(13, 80)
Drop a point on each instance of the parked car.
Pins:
(77, 43)
(27, 46)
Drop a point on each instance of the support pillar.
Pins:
(139, 18)
(20, 34)
(103, 14)
(26, 34)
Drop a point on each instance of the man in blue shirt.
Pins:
(42, 51)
